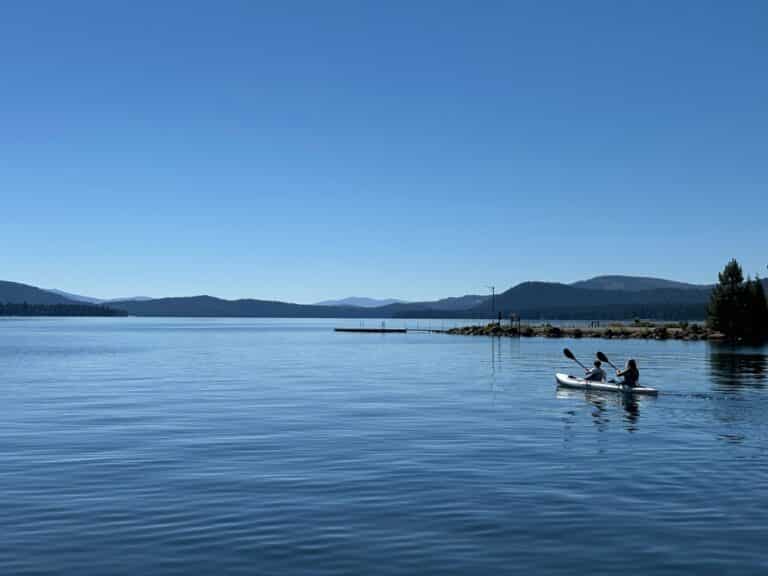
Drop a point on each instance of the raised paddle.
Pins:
(603, 358)
(569, 354)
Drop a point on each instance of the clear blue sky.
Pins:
(307, 150)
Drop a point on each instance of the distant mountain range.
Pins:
(75, 297)
(91, 300)
(16, 293)
(602, 297)
(208, 306)
(634, 284)
(553, 300)
(359, 301)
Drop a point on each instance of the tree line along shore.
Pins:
(26, 309)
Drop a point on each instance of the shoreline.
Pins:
(638, 331)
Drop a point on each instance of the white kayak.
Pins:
(567, 381)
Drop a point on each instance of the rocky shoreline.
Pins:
(637, 330)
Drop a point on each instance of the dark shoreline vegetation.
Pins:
(620, 331)
(25, 309)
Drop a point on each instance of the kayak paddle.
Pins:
(569, 354)
(603, 358)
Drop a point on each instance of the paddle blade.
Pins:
(603, 358)
(568, 354)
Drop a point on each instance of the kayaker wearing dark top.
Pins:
(597, 374)
(630, 374)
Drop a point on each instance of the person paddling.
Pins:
(596, 374)
(630, 374)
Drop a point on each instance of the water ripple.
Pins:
(176, 446)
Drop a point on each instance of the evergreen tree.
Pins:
(737, 307)
(725, 306)
(758, 309)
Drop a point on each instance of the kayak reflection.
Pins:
(602, 403)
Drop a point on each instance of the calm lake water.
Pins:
(181, 446)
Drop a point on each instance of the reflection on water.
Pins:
(632, 411)
(604, 403)
(503, 353)
(734, 368)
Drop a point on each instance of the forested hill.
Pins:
(16, 293)
(18, 299)
(208, 306)
(552, 300)
(529, 300)
(634, 284)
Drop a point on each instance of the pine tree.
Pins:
(737, 307)
(758, 311)
(725, 312)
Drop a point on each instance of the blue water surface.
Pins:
(251, 446)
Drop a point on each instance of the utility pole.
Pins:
(493, 300)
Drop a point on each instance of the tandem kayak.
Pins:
(573, 382)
